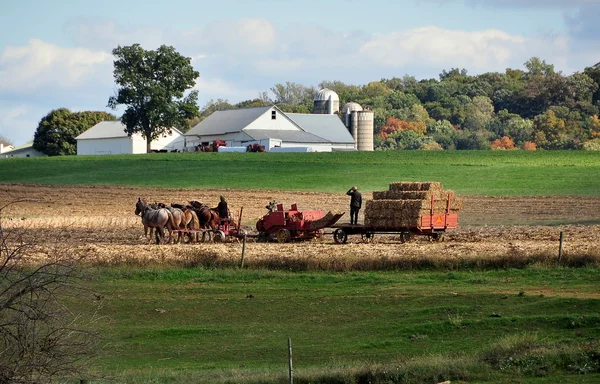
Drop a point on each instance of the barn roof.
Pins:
(104, 130)
(329, 127)
(108, 130)
(227, 121)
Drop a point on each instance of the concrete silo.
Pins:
(327, 102)
(360, 124)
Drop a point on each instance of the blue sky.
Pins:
(57, 54)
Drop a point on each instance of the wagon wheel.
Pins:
(219, 236)
(339, 236)
(405, 236)
(367, 237)
(283, 236)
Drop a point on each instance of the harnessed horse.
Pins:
(155, 218)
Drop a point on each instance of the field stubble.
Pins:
(100, 223)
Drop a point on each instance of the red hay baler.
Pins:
(287, 224)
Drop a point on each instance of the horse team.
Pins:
(191, 219)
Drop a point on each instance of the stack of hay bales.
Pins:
(405, 203)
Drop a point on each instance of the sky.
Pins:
(57, 53)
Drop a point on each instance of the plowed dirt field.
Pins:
(99, 221)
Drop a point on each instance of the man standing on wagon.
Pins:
(355, 204)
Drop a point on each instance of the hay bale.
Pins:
(433, 186)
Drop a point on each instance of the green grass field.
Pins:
(195, 325)
(496, 173)
(175, 325)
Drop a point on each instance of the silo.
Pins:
(350, 119)
(364, 131)
(326, 102)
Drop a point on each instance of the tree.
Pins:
(293, 94)
(5, 141)
(479, 113)
(56, 132)
(537, 67)
(152, 84)
(503, 143)
(41, 339)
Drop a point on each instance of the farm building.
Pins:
(109, 137)
(25, 150)
(271, 127)
(321, 131)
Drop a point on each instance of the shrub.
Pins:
(503, 143)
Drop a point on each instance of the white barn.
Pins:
(25, 150)
(271, 127)
(109, 137)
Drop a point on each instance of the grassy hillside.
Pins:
(468, 172)
(232, 326)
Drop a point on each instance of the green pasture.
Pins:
(232, 326)
(493, 173)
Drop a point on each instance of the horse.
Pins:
(184, 218)
(155, 218)
(208, 217)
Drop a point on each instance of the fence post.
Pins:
(560, 246)
(291, 370)
(243, 251)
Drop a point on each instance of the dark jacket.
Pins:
(355, 198)
(222, 209)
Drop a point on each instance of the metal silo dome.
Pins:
(326, 102)
(351, 106)
(325, 93)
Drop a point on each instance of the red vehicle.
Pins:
(287, 224)
(433, 224)
(228, 228)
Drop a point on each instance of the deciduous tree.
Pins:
(56, 132)
(152, 85)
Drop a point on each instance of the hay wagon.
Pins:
(406, 209)
(285, 225)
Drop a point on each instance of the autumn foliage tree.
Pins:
(393, 125)
(504, 143)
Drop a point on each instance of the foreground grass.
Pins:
(468, 172)
(231, 326)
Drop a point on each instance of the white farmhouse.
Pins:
(109, 137)
(272, 128)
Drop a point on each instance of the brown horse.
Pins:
(185, 219)
(208, 217)
(155, 218)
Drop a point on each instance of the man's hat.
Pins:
(354, 188)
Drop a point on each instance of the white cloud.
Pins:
(478, 51)
(107, 35)
(215, 88)
(40, 64)
(19, 122)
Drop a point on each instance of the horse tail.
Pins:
(195, 220)
(172, 223)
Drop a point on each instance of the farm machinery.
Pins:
(285, 225)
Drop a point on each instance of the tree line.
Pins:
(531, 108)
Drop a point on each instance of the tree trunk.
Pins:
(148, 141)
